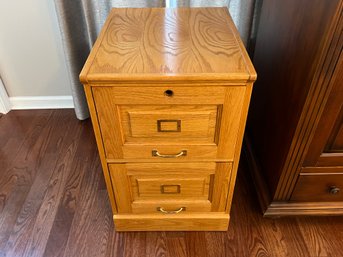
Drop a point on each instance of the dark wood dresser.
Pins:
(294, 135)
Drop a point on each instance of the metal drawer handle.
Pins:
(171, 212)
(334, 190)
(157, 154)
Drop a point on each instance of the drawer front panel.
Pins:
(163, 95)
(166, 123)
(144, 187)
(170, 186)
(318, 187)
(132, 118)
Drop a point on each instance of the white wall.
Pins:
(32, 62)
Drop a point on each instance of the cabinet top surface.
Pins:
(169, 44)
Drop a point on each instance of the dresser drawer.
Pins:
(148, 187)
(318, 187)
(200, 122)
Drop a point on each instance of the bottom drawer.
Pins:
(170, 188)
(318, 187)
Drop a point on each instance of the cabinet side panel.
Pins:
(221, 186)
(109, 120)
(100, 145)
(121, 187)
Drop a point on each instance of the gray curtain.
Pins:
(80, 22)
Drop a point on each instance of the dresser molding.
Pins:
(273, 209)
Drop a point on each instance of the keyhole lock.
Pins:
(169, 93)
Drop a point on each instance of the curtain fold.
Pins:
(80, 23)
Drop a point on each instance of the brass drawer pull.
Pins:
(157, 154)
(170, 189)
(171, 212)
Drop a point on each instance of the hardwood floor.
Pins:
(53, 202)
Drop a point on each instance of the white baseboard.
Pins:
(41, 102)
(5, 104)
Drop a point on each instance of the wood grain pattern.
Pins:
(221, 186)
(121, 187)
(97, 132)
(328, 135)
(87, 224)
(174, 44)
(168, 123)
(23, 138)
(272, 208)
(138, 186)
(60, 231)
(109, 100)
(180, 222)
(294, 125)
(202, 115)
(238, 143)
(292, 83)
(312, 187)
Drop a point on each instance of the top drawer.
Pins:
(200, 120)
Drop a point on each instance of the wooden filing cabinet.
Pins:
(168, 92)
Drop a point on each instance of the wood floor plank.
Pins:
(135, 244)
(21, 167)
(319, 236)
(53, 202)
(176, 244)
(215, 244)
(195, 244)
(116, 245)
(92, 223)
(156, 244)
(72, 192)
(260, 235)
(38, 211)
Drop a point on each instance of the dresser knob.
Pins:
(334, 190)
(169, 93)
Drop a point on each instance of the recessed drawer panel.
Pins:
(168, 123)
(318, 187)
(170, 186)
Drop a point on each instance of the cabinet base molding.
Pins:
(177, 222)
(272, 208)
(276, 209)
